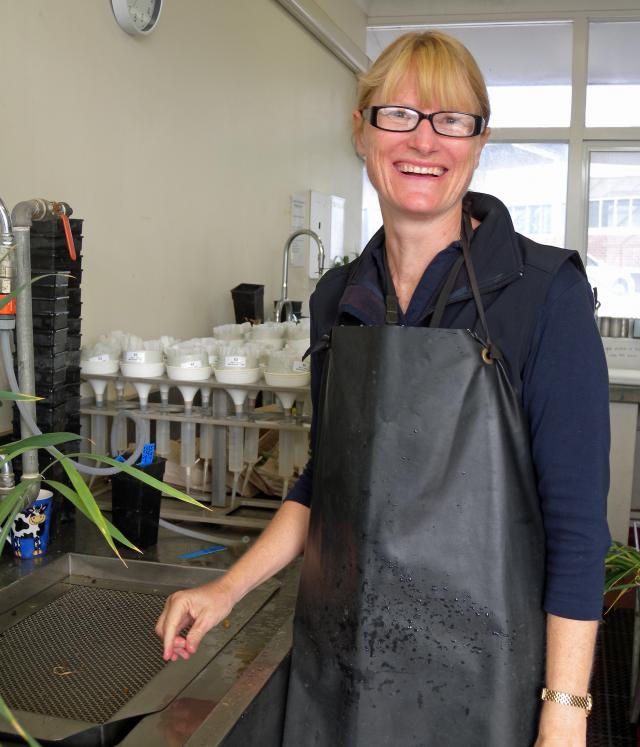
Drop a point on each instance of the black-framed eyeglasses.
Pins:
(405, 119)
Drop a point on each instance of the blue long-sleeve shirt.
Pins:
(564, 394)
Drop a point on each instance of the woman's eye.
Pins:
(400, 114)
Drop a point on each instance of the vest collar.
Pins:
(496, 256)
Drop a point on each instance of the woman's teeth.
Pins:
(407, 168)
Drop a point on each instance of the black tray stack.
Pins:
(56, 308)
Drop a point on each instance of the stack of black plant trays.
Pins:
(56, 308)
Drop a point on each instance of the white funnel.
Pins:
(238, 396)
(99, 387)
(143, 390)
(286, 400)
(188, 392)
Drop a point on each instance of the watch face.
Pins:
(144, 13)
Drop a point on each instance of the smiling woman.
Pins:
(451, 409)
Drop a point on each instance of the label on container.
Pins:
(134, 356)
(235, 361)
(191, 364)
(300, 367)
(5, 286)
(99, 358)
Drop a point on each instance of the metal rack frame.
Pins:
(223, 509)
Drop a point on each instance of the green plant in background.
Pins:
(344, 259)
(622, 570)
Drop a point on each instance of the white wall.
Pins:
(180, 150)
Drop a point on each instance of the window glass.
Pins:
(531, 179)
(613, 90)
(527, 87)
(613, 245)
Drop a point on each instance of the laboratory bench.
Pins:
(230, 693)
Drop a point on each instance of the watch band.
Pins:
(578, 701)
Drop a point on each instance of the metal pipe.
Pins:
(6, 232)
(7, 478)
(284, 298)
(22, 217)
(24, 343)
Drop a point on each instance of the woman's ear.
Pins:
(358, 126)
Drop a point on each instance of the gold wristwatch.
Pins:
(577, 701)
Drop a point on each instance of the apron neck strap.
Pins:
(391, 299)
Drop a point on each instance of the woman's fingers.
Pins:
(200, 608)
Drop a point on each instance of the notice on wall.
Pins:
(298, 220)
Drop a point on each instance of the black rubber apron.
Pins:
(419, 619)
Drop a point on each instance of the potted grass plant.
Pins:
(622, 570)
(76, 491)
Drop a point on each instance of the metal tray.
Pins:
(79, 661)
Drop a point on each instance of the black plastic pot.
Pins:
(248, 302)
(136, 506)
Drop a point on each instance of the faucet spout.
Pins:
(284, 298)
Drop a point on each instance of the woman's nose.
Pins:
(424, 137)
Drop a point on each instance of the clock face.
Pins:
(144, 13)
(137, 16)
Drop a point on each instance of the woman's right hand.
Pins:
(197, 609)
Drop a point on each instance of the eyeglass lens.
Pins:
(402, 119)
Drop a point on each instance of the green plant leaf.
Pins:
(89, 502)
(147, 479)
(72, 496)
(5, 713)
(14, 397)
(14, 294)
(15, 448)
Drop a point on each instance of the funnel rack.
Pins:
(220, 407)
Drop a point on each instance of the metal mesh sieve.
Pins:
(83, 656)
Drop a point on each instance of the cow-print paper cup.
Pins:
(30, 530)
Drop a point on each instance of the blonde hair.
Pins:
(444, 69)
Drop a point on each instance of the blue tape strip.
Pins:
(148, 450)
(200, 553)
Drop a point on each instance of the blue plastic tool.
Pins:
(148, 450)
(200, 553)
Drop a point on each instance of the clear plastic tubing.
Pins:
(285, 458)
(99, 434)
(163, 427)
(236, 455)
(162, 437)
(188, 449)
(206, 450)
(120, 436)
(251, 436)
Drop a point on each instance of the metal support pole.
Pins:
(24, 341)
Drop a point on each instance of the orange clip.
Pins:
(59, 211)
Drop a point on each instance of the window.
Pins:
(613, 89)
(613, 241)
(526, 88)
(531, 179)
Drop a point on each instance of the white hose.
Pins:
(201, 536)
(142, 425)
